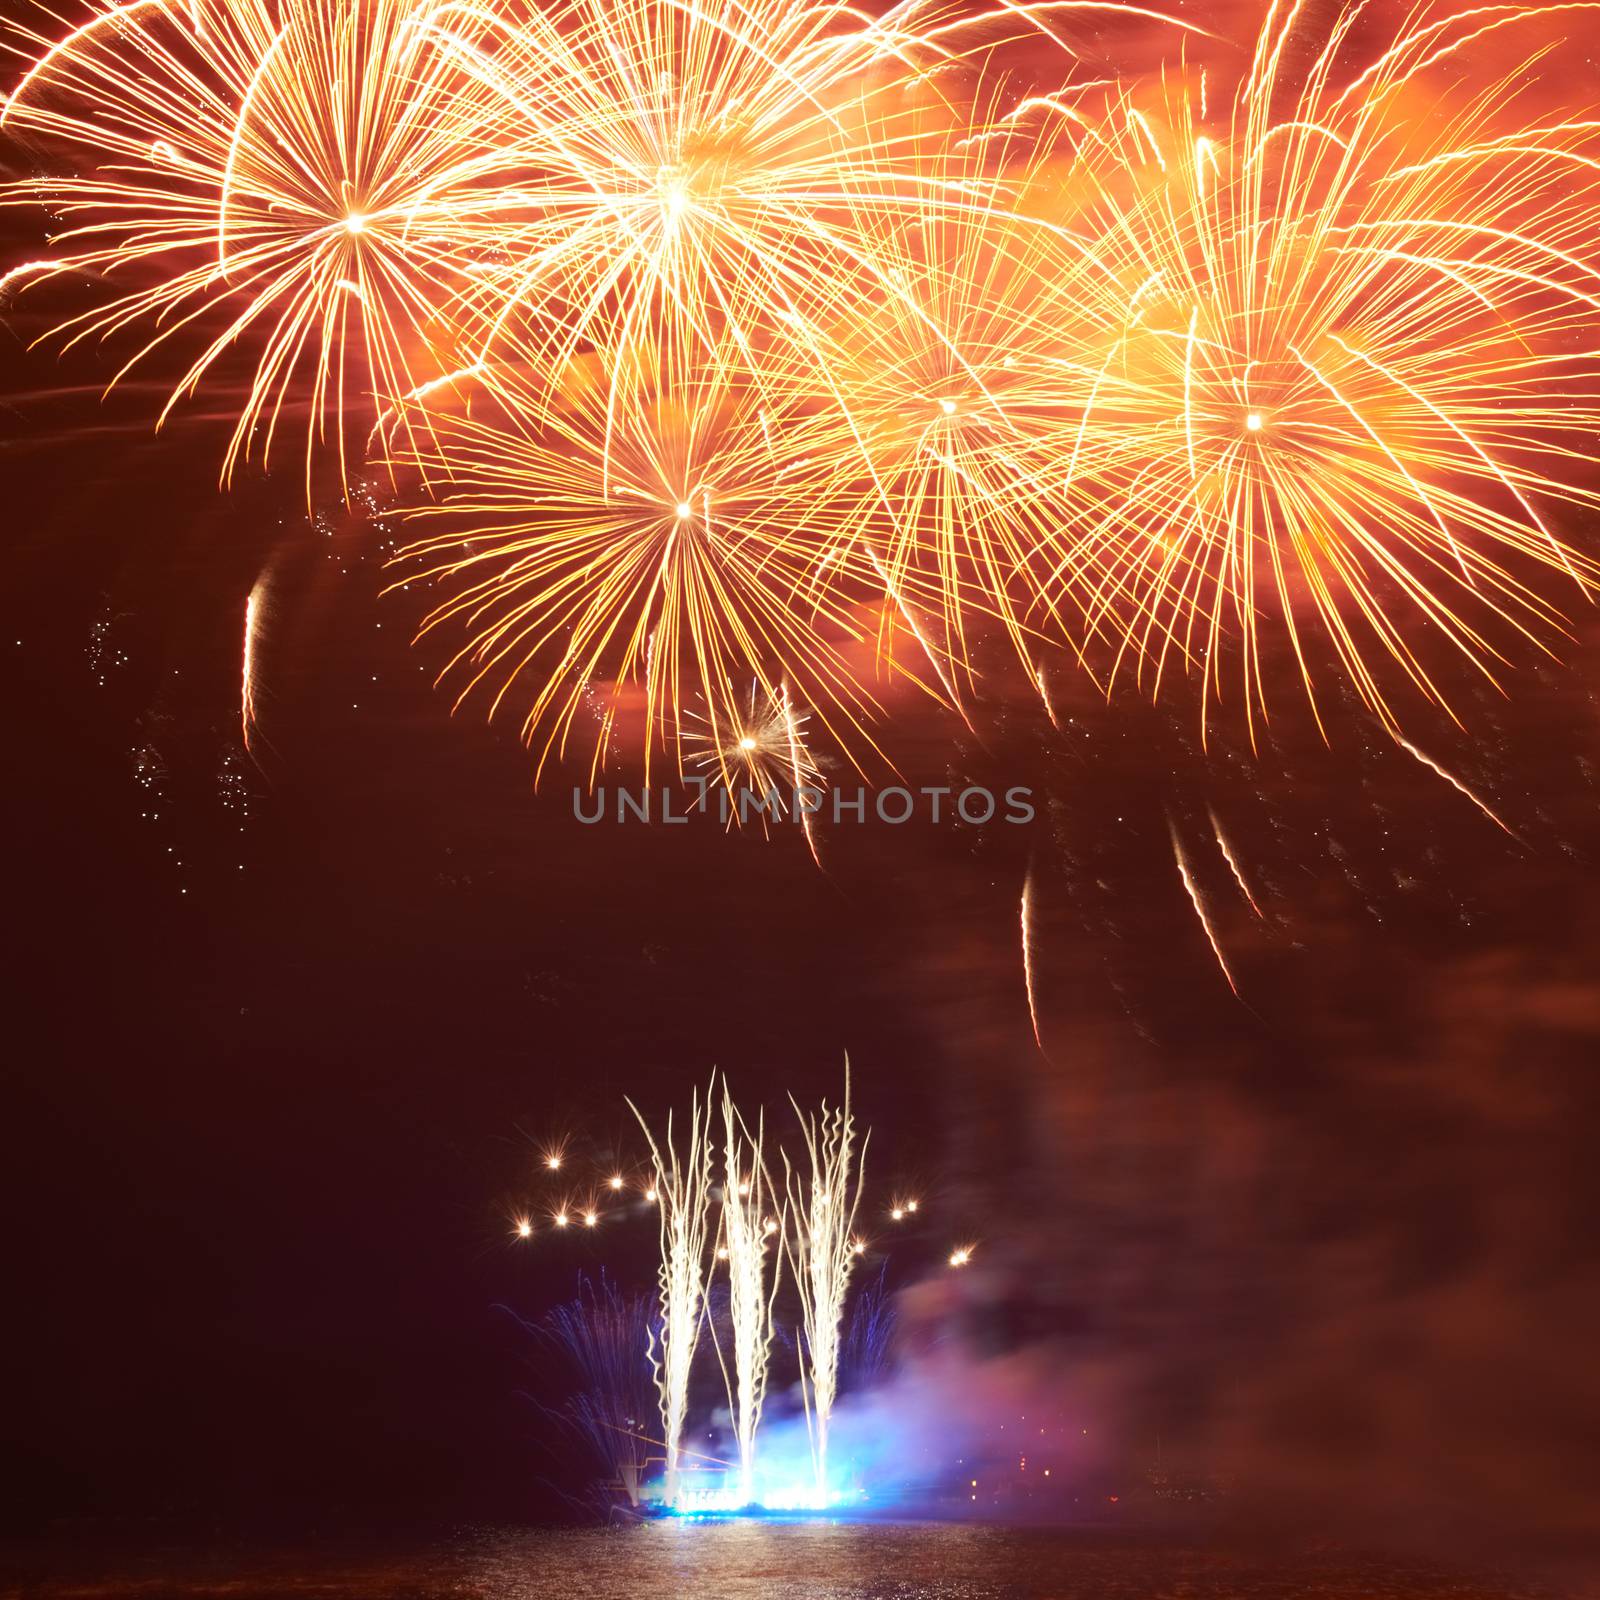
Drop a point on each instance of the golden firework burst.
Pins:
(293, 191)
(1347, 380)
(627, 566)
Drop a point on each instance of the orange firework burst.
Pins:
(940, 403)
(1348, 374)
(637, 561)
(794, 330)
(700, 178)
(297, 185)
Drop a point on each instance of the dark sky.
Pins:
(285, 1038)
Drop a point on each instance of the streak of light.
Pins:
(1193, 892)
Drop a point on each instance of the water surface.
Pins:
(739, 1561)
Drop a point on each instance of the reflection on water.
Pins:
(733, 1561)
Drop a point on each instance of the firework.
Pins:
(822, 1201)
(727, 346)
(1026, 917)
(247, 679)
(866, 1351)
(605, 1333)
(941, 402)
(752, 1289)
(627, 565)
(1233, 862)
(683, 1189)
(1346, 378)
(761, 754)
(293, 190)
(1192, 889)
(1455, 783)
(696, 179)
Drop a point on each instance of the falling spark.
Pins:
(1455, 783)
(1027, 954)
(247, 685)
(802, 772)
(960, 1257)
(1044, 695)
(1233, 865)
(1199, 906)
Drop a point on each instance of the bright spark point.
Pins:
(685, 509)
(898, 1213)
(911, 1205)
(355, 223)
(524, 1230)
(763, 752)
(590, 1219)
(561, 1219)
(616, 1182)
(1253, 421)
(959, 1258)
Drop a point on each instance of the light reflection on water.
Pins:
(742, 1561)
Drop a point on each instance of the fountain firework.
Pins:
(823, 1251)
(683, 1190)
(747, 1232)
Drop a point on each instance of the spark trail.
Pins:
(1027, 954)
(822, 1204)
(683, 1190)
(752, 1288)
(1455, 783)
(1193, 891)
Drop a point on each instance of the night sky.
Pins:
(286, 1035)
